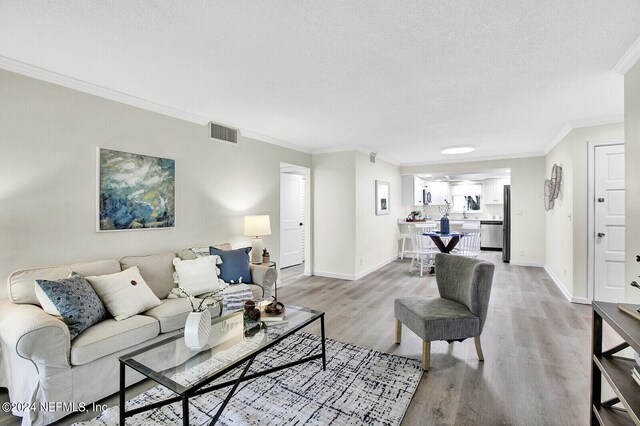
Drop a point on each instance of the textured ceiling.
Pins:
(400, 78)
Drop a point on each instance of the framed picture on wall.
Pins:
(135, 191)
(382, 197)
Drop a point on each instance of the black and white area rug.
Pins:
(360, 387)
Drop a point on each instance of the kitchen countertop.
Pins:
(452, 221)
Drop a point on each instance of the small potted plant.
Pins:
(266, 257)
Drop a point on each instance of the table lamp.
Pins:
(256, 227)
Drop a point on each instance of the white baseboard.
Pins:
(581, 300)
(350, 277)
(525, 263)
(334, 275)
(376, 267)
(565, 292)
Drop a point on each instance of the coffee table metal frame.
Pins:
(198, 388)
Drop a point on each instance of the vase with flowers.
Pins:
(198, 325)
(444, 209)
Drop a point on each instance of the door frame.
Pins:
(591, 196)
(308, 214)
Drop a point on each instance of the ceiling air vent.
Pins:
(222, 133)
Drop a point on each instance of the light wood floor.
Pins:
(536, 346)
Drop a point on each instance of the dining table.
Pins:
(437, 238)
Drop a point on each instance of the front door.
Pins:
(608, 267)
(291, 217)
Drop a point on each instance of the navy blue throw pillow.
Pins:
(76, 301)
(235, 264)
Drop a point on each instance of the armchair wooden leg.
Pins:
(398, 331)
(479, 348)
(426, 355)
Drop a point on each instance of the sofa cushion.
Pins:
(124, 293)
(171, 314)
(189, 253)
(21, 283)
(72, 299)
(110, 336)
(156, 269)
(235, 264)
(197, 276)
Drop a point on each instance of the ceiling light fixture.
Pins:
(457, 149)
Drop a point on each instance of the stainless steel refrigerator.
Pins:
(506, 225)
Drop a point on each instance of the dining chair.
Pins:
(424, 249)
(471, 225)
(458, 314)
(469, 245)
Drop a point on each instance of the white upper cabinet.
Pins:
(440, 191)
(494, 190)
(412, 190)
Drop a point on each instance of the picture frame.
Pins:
(134, 191)
(383, 203)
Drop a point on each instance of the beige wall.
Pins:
(49, 136)
(566, 258)
(632, 180)
(349, 239)
(527, 208)
(333, 177)
(376, 236)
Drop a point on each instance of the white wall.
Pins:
(632, 180)
(333, 177)
(527, 208)
(376, 236)
(49, 136)
(566, 257)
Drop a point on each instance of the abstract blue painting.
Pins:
(135, 191)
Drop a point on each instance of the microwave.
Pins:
(426, 197)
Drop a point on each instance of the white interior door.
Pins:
(291, 219)
(608, 230)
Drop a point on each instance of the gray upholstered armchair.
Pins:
(460, 311)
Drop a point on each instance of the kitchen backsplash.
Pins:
(489, 211)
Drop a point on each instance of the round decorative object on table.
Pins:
(197, 329)
(275, 307)
(251, 313)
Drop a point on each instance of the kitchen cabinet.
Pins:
(412, 190)
(440, 191)
(493, 190)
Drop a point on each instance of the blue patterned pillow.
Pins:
(74, 300)
(235, 264)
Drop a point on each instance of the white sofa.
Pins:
(39, 363)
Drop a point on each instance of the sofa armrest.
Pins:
(33, 334)
(265, 277)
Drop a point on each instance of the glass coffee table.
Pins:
(232, 343)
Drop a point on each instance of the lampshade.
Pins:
(256, 226)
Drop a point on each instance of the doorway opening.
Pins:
(606, 222)
(295, 221)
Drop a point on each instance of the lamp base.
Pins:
(256, 250)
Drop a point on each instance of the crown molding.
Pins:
(357, 148)
(629, 59)
(94, 89)
(564, 131)
(273, 141)
(475, 159)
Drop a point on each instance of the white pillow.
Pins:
(197, 276)
(124, 293)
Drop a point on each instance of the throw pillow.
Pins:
(235, 264)
(73, 300)
(124, 293)
(197, 276)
